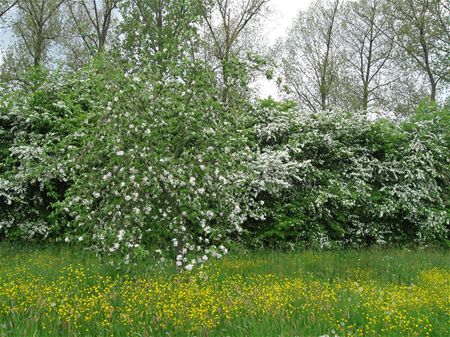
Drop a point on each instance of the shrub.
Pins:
(363, 180)
(38, 121)
(122, 161)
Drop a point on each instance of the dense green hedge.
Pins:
(127, 166)
(366, 179)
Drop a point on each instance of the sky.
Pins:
(283, 13)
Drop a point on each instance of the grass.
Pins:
(67, 292)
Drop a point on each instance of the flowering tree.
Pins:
(162, 164)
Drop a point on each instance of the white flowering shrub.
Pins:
(113, 159)
(36, 121)
(140, 154)
(159, 166)
(359, 180)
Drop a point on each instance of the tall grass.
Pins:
(56, 291)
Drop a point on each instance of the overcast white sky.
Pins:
(284, 12)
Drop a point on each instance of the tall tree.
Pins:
(369, 49)
(159, 31)
(312, 60)
(91, 22)
(420, 30)
(227, 22)
(38, 25)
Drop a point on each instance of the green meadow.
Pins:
(50, 292)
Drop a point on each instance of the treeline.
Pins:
(138, 132)
(349, 54)
(360, 54)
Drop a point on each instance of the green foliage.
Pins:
(39, 121)
(364, 180)
(127, 163)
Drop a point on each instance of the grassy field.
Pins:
(66, 292)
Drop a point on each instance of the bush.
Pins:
(126, 163)
(363, 180)
(39, 120)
